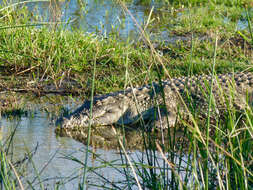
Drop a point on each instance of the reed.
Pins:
(211, 155)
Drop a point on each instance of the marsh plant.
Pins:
(211, 153)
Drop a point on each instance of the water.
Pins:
(37, 129)
(105, 17)
(100, 16)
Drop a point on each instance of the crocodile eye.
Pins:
(181, 90)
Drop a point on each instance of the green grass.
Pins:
(218, 155)
(55, 54)
(11, 172)
(59, 54)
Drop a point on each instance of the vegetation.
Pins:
(211, 155)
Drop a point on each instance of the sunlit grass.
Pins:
(221, 160)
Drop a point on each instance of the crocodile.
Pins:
(160, 103)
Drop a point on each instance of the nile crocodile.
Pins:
(162, 102)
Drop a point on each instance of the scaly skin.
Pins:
(161, 107)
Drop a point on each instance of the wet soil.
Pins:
(39, 87)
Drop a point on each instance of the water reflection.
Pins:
(100, 16)
(107, 16)
(37, 129)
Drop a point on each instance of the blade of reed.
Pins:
(89, 129)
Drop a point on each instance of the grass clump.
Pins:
(11, 172)
(12, 105)
(210, 155)
(52, 54)
(214, 152)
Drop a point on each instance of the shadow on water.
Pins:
(132, 137)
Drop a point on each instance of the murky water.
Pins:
(37, 129)
(103, 16)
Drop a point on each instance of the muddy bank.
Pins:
(39, 87)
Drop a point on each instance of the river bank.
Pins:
(44, 63)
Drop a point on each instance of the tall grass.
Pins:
(221, 160)
(10, 172)
(89, 130)
(210, 155)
